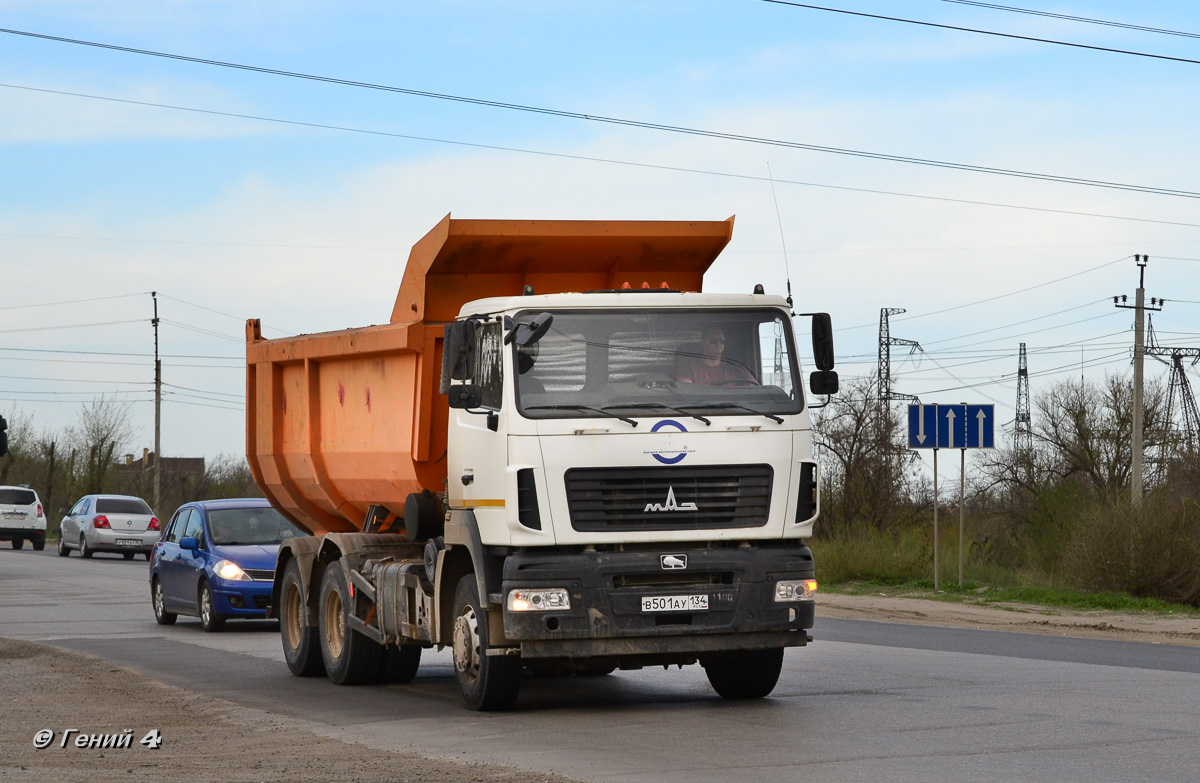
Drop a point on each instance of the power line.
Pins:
(1069, 18)
(199, 330)
(218, 312)
(119, 353)
(71, 326)
(543, 153)
(72, 301)
(1016, 323)
(986, 32)
(1013, 293)
(564, 114)
(240, 395)
(69, 380)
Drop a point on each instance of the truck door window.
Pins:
(774, 358)
(489, 369)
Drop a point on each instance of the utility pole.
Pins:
(157, 410)
(1139, 356)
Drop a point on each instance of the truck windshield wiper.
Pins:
(572, 407)
(646, 405)
(770, 416)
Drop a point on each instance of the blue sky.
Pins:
(309, 229)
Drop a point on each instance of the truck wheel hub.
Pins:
(466, 643)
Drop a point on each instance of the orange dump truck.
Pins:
(559, 455)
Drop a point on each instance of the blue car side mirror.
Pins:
(190, 542)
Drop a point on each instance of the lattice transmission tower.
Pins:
(886, 341)
(1023, 432)
(1181, 399)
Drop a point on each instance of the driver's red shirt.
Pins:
(696, 371)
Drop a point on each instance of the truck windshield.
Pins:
(600, 363)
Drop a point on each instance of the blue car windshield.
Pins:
(249, 526)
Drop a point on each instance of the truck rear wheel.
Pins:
(399, 664)
(301, 646)
(745, 674)
(350, 658)
(486, 682)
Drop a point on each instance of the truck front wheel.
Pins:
(486, 682)
(350, 658)
(745, 674)
(301, 647)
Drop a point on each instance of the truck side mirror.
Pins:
(526, 334)
(822, 342)
(465, 395)
(458, 353)
(823, 382)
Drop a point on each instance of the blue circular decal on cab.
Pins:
(678, 455)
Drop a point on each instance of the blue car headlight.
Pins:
(231, 571)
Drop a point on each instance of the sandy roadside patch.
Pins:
(1021, 618)
(203, 739)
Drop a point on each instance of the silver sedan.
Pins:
(109, 523)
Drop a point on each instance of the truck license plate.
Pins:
(128, 542)
(675, 603)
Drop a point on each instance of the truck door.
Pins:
(478, 441)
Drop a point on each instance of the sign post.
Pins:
(963, 426)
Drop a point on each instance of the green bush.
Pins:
(1147, 552)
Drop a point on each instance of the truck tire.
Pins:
(486, 682)
(399, 665)
(746, 674)
(350, 658)
(301, 643)
(161, 615)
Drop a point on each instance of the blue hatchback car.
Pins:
(216, 561)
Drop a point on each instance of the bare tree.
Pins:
(105, 429)
(864, 458)
(1085, 431)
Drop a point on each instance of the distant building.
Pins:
(181, 467)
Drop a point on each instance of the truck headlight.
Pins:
(795, 590)
(549, 599)
(227, 569)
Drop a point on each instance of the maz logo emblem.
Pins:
(670, 505)
(671, 562)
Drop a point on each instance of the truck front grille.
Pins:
(701, 497)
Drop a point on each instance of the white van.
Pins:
(22, 518)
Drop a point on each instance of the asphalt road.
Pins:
(868, 701)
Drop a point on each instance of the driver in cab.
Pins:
(710, 367)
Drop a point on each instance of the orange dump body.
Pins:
(339, 421)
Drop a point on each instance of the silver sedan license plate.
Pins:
(675, 603)
(128, 542)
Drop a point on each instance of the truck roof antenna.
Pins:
(786, 269)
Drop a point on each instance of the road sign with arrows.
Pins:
(951, 426)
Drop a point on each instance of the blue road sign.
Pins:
(951, 426)
(922, 426)
(981, 426)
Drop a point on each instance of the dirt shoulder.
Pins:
(1021, 618)
(203, 739)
